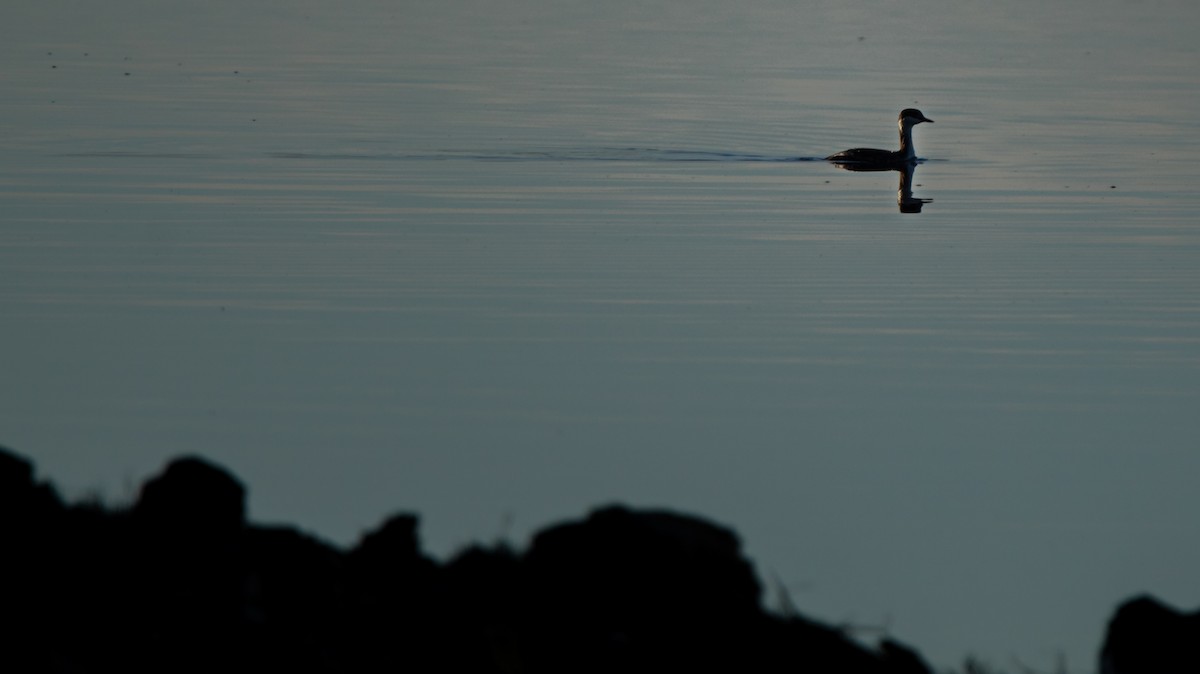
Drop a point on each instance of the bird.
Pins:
(869, 157)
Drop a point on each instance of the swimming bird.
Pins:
(864, 156)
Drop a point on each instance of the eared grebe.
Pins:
(909, 117)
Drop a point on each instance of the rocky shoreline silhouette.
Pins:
(180, 581)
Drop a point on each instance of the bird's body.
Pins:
(867, 157)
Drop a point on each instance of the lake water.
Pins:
(500, 263)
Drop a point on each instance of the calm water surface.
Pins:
(500, 263)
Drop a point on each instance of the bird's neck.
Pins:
(906, 142)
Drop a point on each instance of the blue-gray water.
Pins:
(501, 262)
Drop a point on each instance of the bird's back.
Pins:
(866, 155)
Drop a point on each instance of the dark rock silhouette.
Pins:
(655, 590)
(1145, 636)
(191, 555)
(30, 518)
(24, 504)
(293, 601)
(181, 582)
(193, 496)
(393, 589)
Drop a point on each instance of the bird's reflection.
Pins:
(907, 169)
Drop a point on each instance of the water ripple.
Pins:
(629, 154)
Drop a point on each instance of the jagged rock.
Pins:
(1145, 636)
(16, 473)
(31, 544)
(391, 547)
(649, 591)
(488, 629)
(193, 496)
(182, 583)
(394, 601)
(676, 566)
(294, 608)
(23, 502)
